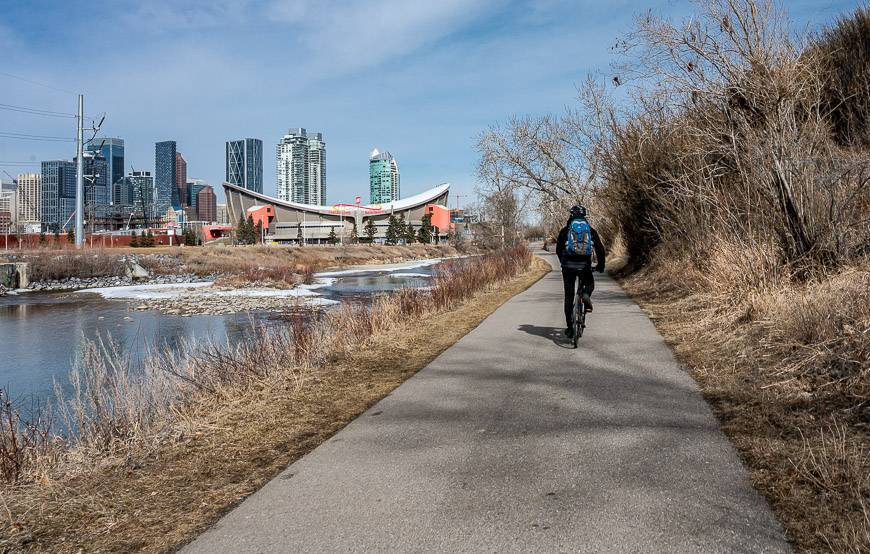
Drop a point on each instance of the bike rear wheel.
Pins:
(579, 319)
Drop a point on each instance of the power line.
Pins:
(35, 137)
(35, 111)
(32, 82)
(25, 136)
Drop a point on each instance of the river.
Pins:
(41, 333)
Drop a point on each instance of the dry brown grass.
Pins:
(250, 425)
(741, 195)
(45, 265)
(787, 368)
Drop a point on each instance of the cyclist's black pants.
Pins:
(571, 278)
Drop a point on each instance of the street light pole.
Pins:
(80, 181)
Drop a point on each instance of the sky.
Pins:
(421, 79)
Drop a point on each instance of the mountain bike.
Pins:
(579, 315)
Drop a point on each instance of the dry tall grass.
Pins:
(47, 265)
(117, 410)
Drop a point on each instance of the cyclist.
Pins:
(575, 254)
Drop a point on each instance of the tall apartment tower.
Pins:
(165, 177)
(301, 161)
(113, 150)
(245, 163)
(8, 207)
(181, 180)
(384, 180)
(29, 198)
(58, 194)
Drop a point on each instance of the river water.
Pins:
(41, 333)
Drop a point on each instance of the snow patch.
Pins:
(410, 275)
(318, 301)
(321, 282)
(146, 292)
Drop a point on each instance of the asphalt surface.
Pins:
(511, 441)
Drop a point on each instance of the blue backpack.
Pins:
(579, 238)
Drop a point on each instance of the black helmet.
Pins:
(578, 211)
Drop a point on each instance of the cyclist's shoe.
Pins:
(587, 301)
(569, 332)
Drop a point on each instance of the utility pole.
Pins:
(80, 180)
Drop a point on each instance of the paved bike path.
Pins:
(510, 441)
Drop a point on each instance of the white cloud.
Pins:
(345, 37)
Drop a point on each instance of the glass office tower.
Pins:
(244, 163)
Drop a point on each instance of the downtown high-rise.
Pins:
(29, 198)
(180, 181)
(301, 164)
(244, 163)
(112, 149)
(58, 194)
(206, 204)
(384, 180)
(95, 169)
(165, 177)
(193, 188)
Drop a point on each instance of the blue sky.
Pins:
(420, 79)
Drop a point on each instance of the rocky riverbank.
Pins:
(210, 301)
(77, 283)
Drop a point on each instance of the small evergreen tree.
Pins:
(241, 230)
(42, 236)
(354, 237)
(258, 233)
(436, 233)
(370, 230)
(424, 234)
(189, 237)
(299, 237)
(400, 229)
(392, 231)
(134, 242)
(148, 241)
(70, 236)
(332, 238)
(410, 234)
(250, 231)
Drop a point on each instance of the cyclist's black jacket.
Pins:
(577, 262)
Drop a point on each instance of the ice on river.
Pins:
(382, 268)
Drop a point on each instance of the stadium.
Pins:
(291, 222)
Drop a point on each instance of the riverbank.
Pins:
(253, 410)
(234, 265)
